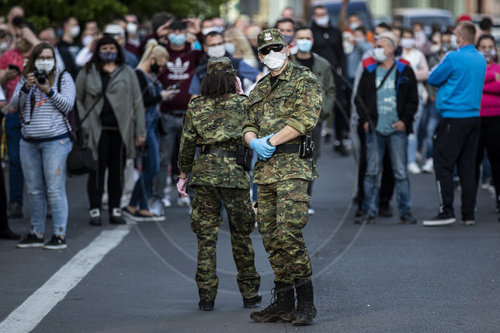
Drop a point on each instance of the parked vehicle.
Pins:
(359, 7)
(426, 16)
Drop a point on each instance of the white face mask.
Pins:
(353, 26)
(322, 21)
(216, 51)
(44, 65)
(230, 48)
(74, 31)
(275, 60)
(435, 48)
(87, 40)
(132, 28)
(4, 46)
(206, 31)
(379, 55)
(407, 43)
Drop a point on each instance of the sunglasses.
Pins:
(275, 48)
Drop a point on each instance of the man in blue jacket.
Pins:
(460, 78)
(386, 102)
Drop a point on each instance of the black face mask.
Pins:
(155, 68)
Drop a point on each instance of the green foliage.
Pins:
(49, 12)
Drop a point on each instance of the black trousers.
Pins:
(387, 182)
(341, 109)
(111, 155)
(4, 222)
(455, 144)
(489, 139)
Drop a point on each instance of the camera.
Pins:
(41, 76)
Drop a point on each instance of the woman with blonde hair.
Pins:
(152, 64)
(238, 46)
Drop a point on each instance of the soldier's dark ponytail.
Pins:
(218, 84)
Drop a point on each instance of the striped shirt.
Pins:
(47, 121)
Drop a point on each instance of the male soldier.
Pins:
(284, 108)
(214, 121)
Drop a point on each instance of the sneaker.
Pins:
(414, 169)
(407, 219)
(56, 243)
(30, 240)
(206, 305)
(139, 217)
(166, 201)
(252, 302)
(116, 217)
(468, 222)
(440, 219)
(340, 148)
(365, 218)
(428, 166)
(15, 210)
(311, 211)
(95, 217)
(127, 213)
(184, 202)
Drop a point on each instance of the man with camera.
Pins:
(11, 65)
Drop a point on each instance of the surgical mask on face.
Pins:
(74, 31)
(379, 55)
(132, 28)
(108, 56)
(87, 40)
(353, 26)
(489, 55)
(435, 48)
(322, 21)
(230, 48)
(274, 60)
(407, 43)
(4, 46)
(453, 42)
(304, 45)
(288, 38)
(44, 65)
(216, 51)
(177, 40)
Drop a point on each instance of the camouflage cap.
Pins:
(270, 37)
(220, 64)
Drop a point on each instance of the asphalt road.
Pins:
(383, 277)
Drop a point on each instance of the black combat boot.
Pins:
(281, 308)
(305, 311)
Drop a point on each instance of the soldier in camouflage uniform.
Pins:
(284, 107)
(214, 122)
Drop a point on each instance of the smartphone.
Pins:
(174, 86)
(12, 66)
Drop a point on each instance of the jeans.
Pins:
(44, 166)
(168, 142)
(13, 136)
(428, 123)
(397, 144)
(150, 167)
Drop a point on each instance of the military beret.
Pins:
(220, 64)
(270, 37)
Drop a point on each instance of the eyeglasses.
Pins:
(275, 48)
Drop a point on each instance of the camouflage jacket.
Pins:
(217, 122)
(294, 100)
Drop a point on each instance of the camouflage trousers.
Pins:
(281, 217)
(205, 222)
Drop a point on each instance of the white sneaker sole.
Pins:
(55, 247)
(468, 222)
(148, 219)
(26, 246)
(435, 223)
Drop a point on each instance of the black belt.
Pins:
(218, 152)
(287, 148)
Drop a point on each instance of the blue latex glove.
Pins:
(262, 148)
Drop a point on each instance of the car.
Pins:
(427, 16)
(358, 7)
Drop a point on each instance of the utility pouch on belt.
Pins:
(244, 157)
(306, 148)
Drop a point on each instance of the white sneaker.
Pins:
(428, 166)
(413, 168)
(311, 211)
(166, 201)
(184, 202)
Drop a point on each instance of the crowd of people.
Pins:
(150, 93)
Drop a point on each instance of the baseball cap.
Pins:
(220, 64)
(270, 37)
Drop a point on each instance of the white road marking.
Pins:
(29, 314)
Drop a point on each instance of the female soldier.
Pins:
(214, 121)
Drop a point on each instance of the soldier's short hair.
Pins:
(468, 31)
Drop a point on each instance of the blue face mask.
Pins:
(288, 38)
(108, 56)
(177, 40)
(230, 48)
(304, 45)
